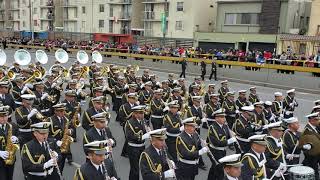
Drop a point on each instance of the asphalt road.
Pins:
(122, 164)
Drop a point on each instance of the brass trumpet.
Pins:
(36, 74)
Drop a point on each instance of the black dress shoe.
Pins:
(70, 161)
(124, 155)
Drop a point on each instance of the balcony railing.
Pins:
(120, 2)
(155, 1)
(153, 15)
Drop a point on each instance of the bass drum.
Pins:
(301, 173)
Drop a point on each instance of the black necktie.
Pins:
(3, 128)
(103, 133)
(100, 170)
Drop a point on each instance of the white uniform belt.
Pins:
(173, 135)
(45, 110)
(24, 130)
(289, 111)
(119, 97)
(17, 102)
(242, 139)
(135, 145)
(211, 120)
(218, 148)
(44, 173)
(295, 156)
(155, 116)
(189, 161)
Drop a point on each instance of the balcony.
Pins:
(14, 8)
(152, 16)
(69, 5)
(125, 17)
(49, 4)
(71, 19)
(155, 1)
(48, 17)
(120, 2)
(124, 30)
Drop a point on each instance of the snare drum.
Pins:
(301, 173)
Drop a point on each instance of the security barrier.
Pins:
(124, 53)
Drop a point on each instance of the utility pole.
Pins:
(31, 19)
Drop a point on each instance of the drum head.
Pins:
(301, 170)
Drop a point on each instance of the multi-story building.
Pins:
(255, 24)
(314, 26)
(13, 15)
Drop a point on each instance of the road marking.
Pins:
(75, 164)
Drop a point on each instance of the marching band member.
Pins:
(6, 170)
(99, 91)
(253, 97)
(223, 91)
(277, 105)
(231, 166)
(95, 167)
(157, 108)
(124, 115)
(171, 82)
(134, 131)
(131, 89)
(5, 97)
(131, 79)
(41, 155)
(211, 107)
(254, 160)
(195, 111)
(16, 90)
(242, 100)
(176, 96)
(145, 76)
(275, 156)
(118, 92)
(315, 109)
(197, 82)
(243, 127)
(219, 138)
(311, 129)
(41, 101)
(291, 138)
(97, 108)
(195, 92)
(61, 128)
(289, 104)
(209, 92)
(230, 107)
(172, 122)
(182, 86)
(166, 90)
(189, 150)
(267, 111)
(258, 117)
(101, 132)
(154, 161)
(145, 95)
(25, 117)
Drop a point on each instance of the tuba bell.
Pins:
(82, 57)
(11, 75)
(61, 56)
(41, 57)
(96, 57)
(3, 57)
(22, 57)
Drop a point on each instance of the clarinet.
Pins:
(171, 166)
(107, 177)
(52, 157)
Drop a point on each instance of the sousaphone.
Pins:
(82, 57)
(22, 57)
(3, 57)
(96, 57)
(61, 56)
(41, 57)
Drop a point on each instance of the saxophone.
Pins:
(75, 120)
(11, 148)
(66, 139)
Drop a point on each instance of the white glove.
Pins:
(30, 86)
(113, 178)
(278, 174)
(49, 163)
(204, 120)
(59, 143)
(179, 113)
(182, 128)
(79, 91)
(173, 164)
(231, 140)
(25, 88)
(203, 150)
(55, 154)
(53, 85)
(126, 86)
(237, 111)
(145, 136)
(32, 113)
(307, 146)
(169, 173)
(45, 95)
(283, 168)
(166, 109)
(289, 156)
(4, 154)
(14, 139)
(138, 103)
(109, 149)
(288, 113)
(110, 142)
(291, 104)
(281, 115)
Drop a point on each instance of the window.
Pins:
(35, 10)
(35, 23)
(83, 9)
(83, 24)
(110, 26)
(111, 12)
(101, 8)
(75, 13)
(101, 23)
(178, 25)
(23, 24)
(179, 6)
(241, 18)
(23, 12)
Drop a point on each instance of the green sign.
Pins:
(163, 22)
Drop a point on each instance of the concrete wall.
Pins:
(223, 8)
(314, 18)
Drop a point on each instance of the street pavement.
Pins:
(305, 101)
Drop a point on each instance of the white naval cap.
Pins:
(190, 121)
(275, 125)
(278, 94)
(268, 103)
(242, 91)
(231, 160)
(42, 127)
(317, 102)
(291, 91)
(259, 139)
(291, 120)
(247, 108)
(28, 96)
(313, 115)
(97, 147)
(158, 133)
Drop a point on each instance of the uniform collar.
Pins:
(96, 166)
(313, 127)
(231, 178)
